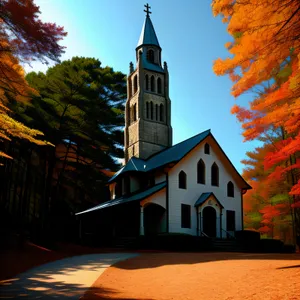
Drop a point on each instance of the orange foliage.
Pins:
(265, 52)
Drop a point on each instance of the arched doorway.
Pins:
(209, 221)
(154, 219)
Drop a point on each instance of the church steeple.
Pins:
(148, 107)
(148, 35)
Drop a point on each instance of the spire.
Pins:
(148, 35)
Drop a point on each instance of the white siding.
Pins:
(157, 198)
(194, 190)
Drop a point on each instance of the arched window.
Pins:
(214, 175)
(201, 172)
(156, 112)
(159, 86)
(206, 148)
(135, 84)
(147, 110)
(152, 84)
(150, 56)
(151, 110)
(130, 88)
(161, 113)
(134, 112)
(182, 180)
(230, 189)
(147, 82)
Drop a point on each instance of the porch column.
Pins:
(142, 220)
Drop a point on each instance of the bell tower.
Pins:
(148, 107)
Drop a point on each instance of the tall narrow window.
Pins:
(182, 180)
(150, 56)
(152, 84)
(214, 175)
(147, 110)
(135, 84)
(206, 148)
(161, 113)
(151, 110)
(230, 189)
(201, 172)
(147, 82)
(159, 86)
(134, 112)
(230, 220)
(185, 216)
(130, 88)
(156, 112)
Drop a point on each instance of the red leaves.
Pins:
(264, 229)
(296, 190)
(28, 36)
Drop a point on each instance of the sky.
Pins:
(190, 38)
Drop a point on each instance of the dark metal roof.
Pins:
(204, 197)
(134, 164)
(171, 155)
(164, 157)
(134, 197)
(148, 35)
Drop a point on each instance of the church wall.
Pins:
(194, 190)
(157, 198)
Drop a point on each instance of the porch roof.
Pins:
(134, 197)
(204, 197)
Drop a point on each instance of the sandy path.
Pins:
(62, 279)
(201, 276)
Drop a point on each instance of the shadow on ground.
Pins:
(155, 260)
(63, 279)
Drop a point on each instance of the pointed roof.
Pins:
(148, 35)
(204, 197)
(172, 155)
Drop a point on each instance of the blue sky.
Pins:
(191, 39)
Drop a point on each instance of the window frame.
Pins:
(230, 189)
(230, 226)
(207, 149)
(186, 220)
(213, 179)
(203, 171)
(182, 180)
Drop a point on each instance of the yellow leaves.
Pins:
(2, 154)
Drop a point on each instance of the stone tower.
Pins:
(148, 107)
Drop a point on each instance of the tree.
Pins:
(265, 58)
(80, 109)
(23, 38)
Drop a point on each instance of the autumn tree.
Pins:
(265, 58)
(23, 38)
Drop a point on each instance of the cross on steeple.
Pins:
(147, 9)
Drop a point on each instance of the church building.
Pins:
(191, 187)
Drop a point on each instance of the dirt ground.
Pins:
(201, 276)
